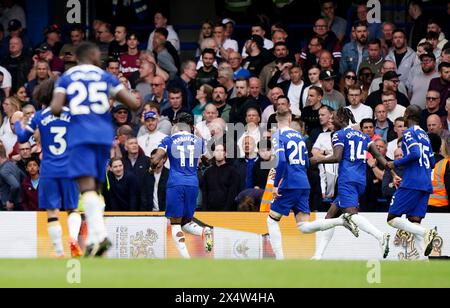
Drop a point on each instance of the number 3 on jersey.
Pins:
(96, 93)
(60, 133)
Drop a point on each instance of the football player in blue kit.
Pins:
(350, 149)
(56, 190)
(411, 199)
(87, 89)
(184, 150)
(291, 187)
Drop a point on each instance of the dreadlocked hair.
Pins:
(346, 114)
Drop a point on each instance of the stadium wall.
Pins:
(237, 236)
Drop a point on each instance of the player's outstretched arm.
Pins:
(125, 97)
(57, 103)
(382, 162)
(336, 158)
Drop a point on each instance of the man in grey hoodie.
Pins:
(10, 179)
(402, 55)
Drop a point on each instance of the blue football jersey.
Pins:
(418, 160)
(293, 160)
(352, 167)
(53, 132)
(88, 89)
(184, 151)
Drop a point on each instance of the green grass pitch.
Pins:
(221, 274)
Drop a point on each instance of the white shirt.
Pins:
(398, 112)
(231, 44)
(328, 172)
(294, 95)
(255, 134)
(7, 80)
(361, 112)
(203, 131)
(155, 192)
(7, 136)
(150, 142)
(268, 44)
(173, 38)
(392, 146)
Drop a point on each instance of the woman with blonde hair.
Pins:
(10, 106)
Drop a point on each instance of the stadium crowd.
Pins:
(376, 71)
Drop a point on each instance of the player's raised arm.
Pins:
(57, 103)
(382, 162)
(124, 96)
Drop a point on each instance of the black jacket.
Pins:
(122, 194)
(148, 188)
(374, 99)
(220, 188)
(18, 68)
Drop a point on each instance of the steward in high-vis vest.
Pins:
(439, 201)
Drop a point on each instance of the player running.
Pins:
(412, 197)
(87, 89)
(56, 190)
(350, 151)
(291, 187)
(184, 151)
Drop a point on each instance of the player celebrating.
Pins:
(350, 151)
(184, 151)
(291, 187)
(56, 190)
(87, 89)
(413, 195)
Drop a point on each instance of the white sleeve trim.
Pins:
(116, 90)
(60, 90)
(414, 144)
(338, 144)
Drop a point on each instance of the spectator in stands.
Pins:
(375, 59)
(420, 20)
(153, 194)
(235, 61)
(433, 100)
(419, 82)
(17, 63)
(229, 25)
(105, 37)
(6, 82)
(206, 32)
(207, 74)
(365, 76)
(176, 105)
(160, 21)
(152, 138)
(310, 114)
(335, 23)
(280, 51)
(164, 59)
(224, 45)
(159, 94)
(119, 45)
(331, 43)
(122, 116)
(281, 102)
(226, 79)
(186, 82)
(113, 67)
(447, 120)
(10, 179)
(10, 106)
(389, 99)
(244, 166)
(325, 114)
(311, 54)
(355, 52)
(164, 125)
(252, 127)
(390, 83)
(435, 26)
(387, 29)
(67, 52)
(442, 84)
(24, 155)
(210, 114)
(45, 53)
(53, 37)
(331, 97)
(258, 29)
(273, 96)
(42, 71)
(387, 66)
(220, 102)
(11, 10)
(348, 79)
(383, 126)
(129, 59)
(255, 93)
(399, 129)
(258, 56)
(439, 200)
(241, 103)
(402, 55)
(374, 28)
(16, 30)
(264, 165)
(121, 193)
(204, 97)
(434, 125)
(219, 185)
(30, 186)
(327, 62)
(368, 128)
(359, 110)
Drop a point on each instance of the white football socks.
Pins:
(93, 206)
(319, 225)
(180, 241)
(55, 233)
(275, 238)
(74, 222)
(327, 236)
(406, 225)
(366, 226)
(193, 228)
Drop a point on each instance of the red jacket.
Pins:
(30, 199)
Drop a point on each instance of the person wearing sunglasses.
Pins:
(348, 80)
(391, 82)
(433, 99)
